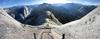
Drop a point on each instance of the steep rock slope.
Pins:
(12, 29)
(87, 27)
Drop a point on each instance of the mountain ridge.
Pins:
(64, 13)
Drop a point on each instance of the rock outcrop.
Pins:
(12, 29)
(87, 27)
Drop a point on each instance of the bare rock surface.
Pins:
(87, 27)
(12, 29)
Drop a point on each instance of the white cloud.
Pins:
(56, 1)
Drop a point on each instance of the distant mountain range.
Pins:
(63, 12)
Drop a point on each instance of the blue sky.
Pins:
(96, 2)
(9, 3)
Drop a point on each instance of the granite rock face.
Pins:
(87, 27)
(12, 29)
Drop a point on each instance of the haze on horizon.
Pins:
(9, 3)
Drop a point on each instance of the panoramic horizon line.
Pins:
(39, 4)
